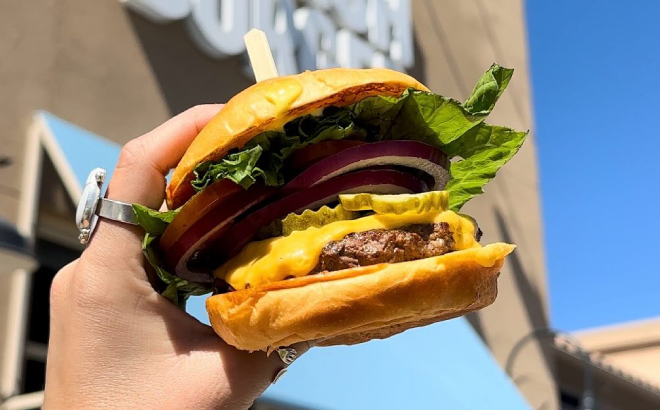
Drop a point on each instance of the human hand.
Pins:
(115, 342)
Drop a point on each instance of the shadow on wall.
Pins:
(188, 77)
(419, 69)
(529, 293)
(532, 300)
(535, 310)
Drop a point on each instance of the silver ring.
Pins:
(279, 374)
(92, 206)
(287, 354)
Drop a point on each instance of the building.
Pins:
(633, 347)
(118, 69)
(624, 361)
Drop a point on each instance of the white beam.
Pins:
(21, 279)
(24, 402)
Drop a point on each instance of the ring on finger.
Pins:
(287, 354)
(279, 374)
(92, 206)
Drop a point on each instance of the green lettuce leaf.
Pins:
(488, 89)
(175, 289)
(152, 221)
(484, 150)
(263, 157)
(415, 115)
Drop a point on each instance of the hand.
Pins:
(115, 342)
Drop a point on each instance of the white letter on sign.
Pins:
(275, 18)
(318, 47)
(351, 14)
(352, 51)
(160, 11)
(390, 29)
(218, 26)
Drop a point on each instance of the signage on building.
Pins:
(303, 34)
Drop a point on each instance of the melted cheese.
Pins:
(284, 96)
(489, 255)
(297, 254)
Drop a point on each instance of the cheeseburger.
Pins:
(325, 206)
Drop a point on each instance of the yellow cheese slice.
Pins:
(296, 255)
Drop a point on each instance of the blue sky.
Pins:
(596, 71)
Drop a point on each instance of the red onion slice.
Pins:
(410, 154)
(303, 158)
(383, 181)
(208, 228)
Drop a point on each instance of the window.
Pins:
(569, 401)
(52, 258)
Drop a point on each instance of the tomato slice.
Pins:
(305, 157)
(188, 257)
(196, 207)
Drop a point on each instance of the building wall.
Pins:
(114, 73)
(633, 347)
(610, 390)
(78, 59)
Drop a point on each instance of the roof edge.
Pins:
(622, 336)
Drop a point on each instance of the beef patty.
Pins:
(386, 246)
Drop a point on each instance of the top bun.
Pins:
(268, 105)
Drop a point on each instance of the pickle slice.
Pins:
(397, 204)
(315, 219)
(307, 219)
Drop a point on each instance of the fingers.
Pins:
(145, 161)
(250, 374)
(139, 177)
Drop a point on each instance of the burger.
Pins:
(325, 206)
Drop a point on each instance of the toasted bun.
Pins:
(268, 105)
(356, 305)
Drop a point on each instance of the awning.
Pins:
(443, 366)
(75, 151)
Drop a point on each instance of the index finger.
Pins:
(145, 161)
(139, 177)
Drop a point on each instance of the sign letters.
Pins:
(303, 34)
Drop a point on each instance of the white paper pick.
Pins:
(260, 55)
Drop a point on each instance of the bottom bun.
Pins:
(356, 305)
